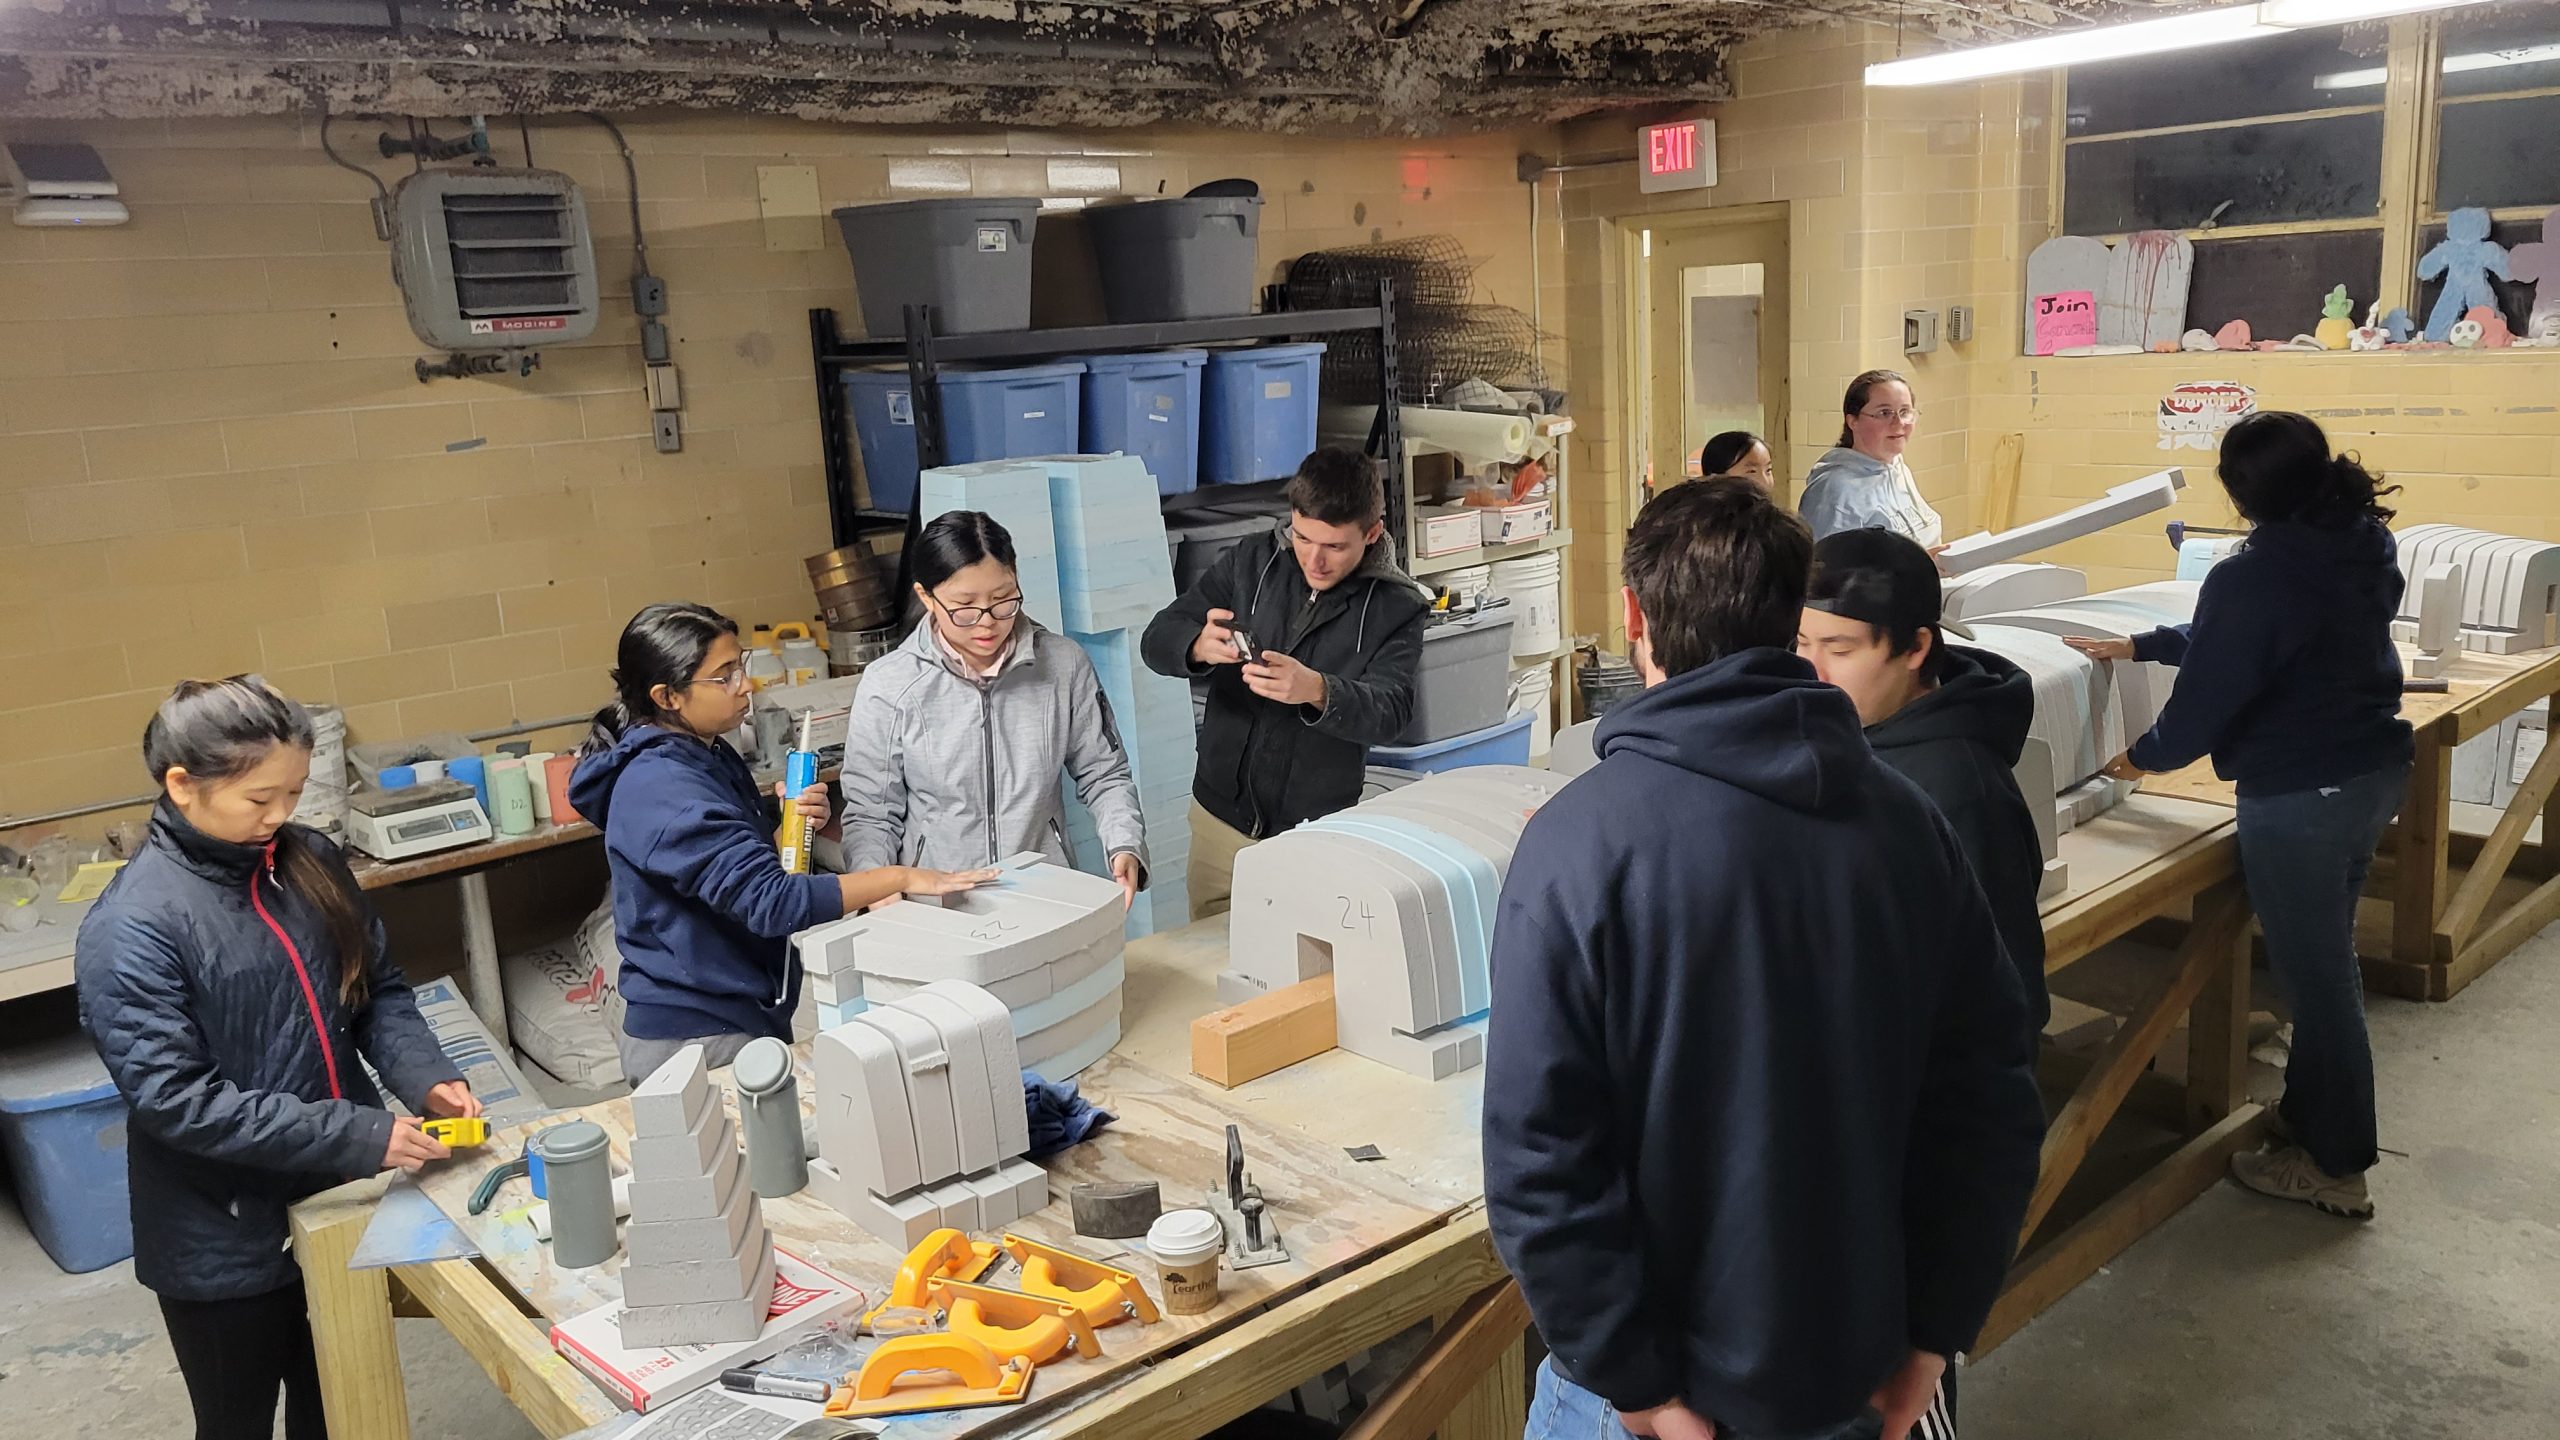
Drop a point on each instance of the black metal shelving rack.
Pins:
(926, 352)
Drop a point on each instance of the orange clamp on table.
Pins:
(953, 1373)
(1105, 1293)
(1015, 1325)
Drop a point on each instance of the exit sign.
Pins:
(1680, 155)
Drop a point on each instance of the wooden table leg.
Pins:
(480, 956)
(2418, 884)
(1497, 1408)
(361, 1388)
(2218, 1040)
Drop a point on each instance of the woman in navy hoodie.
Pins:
(2288, 679)
(702, 909)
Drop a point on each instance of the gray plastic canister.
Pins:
(578, 1182)
(970, 259)
(1187, 259)
(769, 1107)
(1464, 683)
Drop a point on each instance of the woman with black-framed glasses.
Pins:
(958, 736)
(703, 911)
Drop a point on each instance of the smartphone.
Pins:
(1244, 644)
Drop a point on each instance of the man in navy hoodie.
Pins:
(1759, 1116)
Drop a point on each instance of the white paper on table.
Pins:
(717, 1414)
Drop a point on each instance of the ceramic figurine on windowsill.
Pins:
(2538, 263)
(2337, 325)
(2465, 259)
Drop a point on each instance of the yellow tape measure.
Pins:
(460, 1132)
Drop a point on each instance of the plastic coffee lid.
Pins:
(568, 1144)
(1185, 1234)
(762, 1066)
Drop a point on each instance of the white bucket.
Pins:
(1535, 588)
(1531, 691)
(1469, 582)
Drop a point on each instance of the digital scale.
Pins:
(417, 820)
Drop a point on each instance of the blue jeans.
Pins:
(1562, 1410)
(2304, 855)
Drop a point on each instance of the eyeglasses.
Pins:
(732, 676)
(1905, 415)
(969, 617)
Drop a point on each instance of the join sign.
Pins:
(1676, 155)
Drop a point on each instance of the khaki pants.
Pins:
(1214, 844)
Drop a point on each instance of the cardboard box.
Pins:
(1448, 529)
(1512, 524)
(805, 1298)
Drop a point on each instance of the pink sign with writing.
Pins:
(2065, 319)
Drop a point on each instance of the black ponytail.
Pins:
(217, 729)
(2277, 465)
(663, 645)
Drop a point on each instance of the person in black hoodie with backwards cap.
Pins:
(1759, 1120)
(1952, 720)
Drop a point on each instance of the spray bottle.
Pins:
(799, 772)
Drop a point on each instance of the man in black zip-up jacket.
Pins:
(1760, 1121)
(1337, 633)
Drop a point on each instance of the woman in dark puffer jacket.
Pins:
(230, 976)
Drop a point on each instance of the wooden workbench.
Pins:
(2443, 906)
(1381, 1246)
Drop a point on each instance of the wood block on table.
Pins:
(1269, 1032)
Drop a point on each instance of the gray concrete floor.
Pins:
(2240, 1317)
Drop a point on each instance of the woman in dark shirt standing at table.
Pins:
(2288, 678)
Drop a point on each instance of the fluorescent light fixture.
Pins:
(2453, 65)
(2075, 47)
(2188, 31)
(2308, 14)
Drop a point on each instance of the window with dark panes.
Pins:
(2276, 141)
(2498, 125)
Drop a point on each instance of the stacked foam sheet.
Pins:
(1101, 531)
(1396, 897)
(1994, 589)
(699, 1268)
(2510, 586)
(921, 1121)
(1043, 940)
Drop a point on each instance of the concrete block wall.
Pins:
(214, 456)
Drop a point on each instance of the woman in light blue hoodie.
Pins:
(1861, 482)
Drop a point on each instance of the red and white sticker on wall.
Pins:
(2194, 415)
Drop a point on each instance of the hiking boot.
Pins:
(2290, 1173)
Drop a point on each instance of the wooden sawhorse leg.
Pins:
(361, 1388)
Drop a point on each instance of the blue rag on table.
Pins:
(1059, 1116)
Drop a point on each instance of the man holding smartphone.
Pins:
(1310, 639)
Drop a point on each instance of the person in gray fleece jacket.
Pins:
(957, 736)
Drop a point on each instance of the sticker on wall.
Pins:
(2194, 415)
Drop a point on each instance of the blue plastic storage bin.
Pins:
(1503, 744)
(986, 415)
(1147, 405)
(62, 1131)
(1257, 412)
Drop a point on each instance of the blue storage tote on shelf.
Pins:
(986, 415)
(1147, 404)
(1504, 744)
(1258, 412)
(62, 1129)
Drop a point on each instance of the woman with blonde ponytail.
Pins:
(231, 977)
